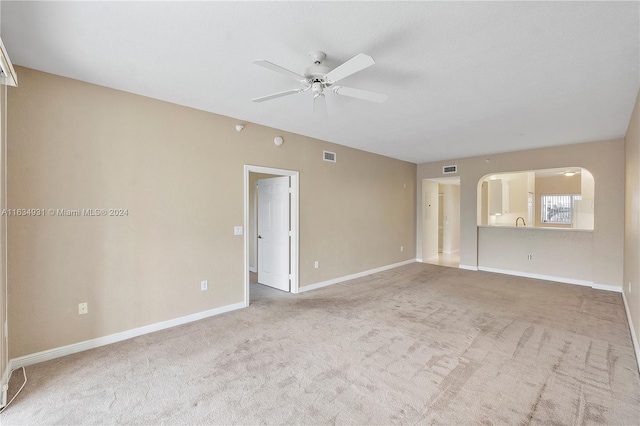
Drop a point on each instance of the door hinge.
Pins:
(290, 190)
(291, 233)
(290, 277)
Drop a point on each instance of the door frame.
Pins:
(427, 237)
(294, 208)
(440, 221)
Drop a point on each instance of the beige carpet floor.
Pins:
(420, 344)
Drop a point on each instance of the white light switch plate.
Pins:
(237, 230)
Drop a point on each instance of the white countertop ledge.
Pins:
(535, 228)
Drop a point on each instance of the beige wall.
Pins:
(3, 283)
(179, 172)
(550, 185)
(631, 286)
(4, 360)
(604, 160)
(518, 191)
(556, 254)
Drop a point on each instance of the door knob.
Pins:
(260, 236)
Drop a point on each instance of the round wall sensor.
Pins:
(278, 140)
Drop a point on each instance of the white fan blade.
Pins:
(320, 106)
(360, 94)
(278, 95)
(277, 68)
(353, 65)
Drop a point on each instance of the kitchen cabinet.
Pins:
(498, 197)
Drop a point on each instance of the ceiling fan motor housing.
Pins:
(317, 71)
(317, 87)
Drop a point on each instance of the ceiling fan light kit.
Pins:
(318, 77)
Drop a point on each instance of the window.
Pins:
(558, 208)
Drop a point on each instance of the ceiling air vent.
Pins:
(449, 169)
(329, 156)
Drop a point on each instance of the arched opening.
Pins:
(551, 198)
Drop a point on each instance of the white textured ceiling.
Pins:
(463, 78)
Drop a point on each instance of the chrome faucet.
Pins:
(523, 222)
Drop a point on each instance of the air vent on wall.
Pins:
(449, 169)
(329, 156)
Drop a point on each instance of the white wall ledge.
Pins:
(536, 228)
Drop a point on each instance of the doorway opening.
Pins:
(441, 221)
(286, 243)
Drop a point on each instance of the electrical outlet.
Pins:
(83, 308)
(316, 264)
(204, 285)
(629, 286)
(529, 257)
(401, 248)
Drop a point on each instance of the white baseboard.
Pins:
(607, 287)
(632, 330)
(353, 276)
(419, 259)
(550, 278)
(4, 384)
(451, 252)
(468, 268)
(432, 258)
(253, 269)
(47, 355)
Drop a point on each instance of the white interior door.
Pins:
(273, 232)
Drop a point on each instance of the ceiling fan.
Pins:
(318, 77)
